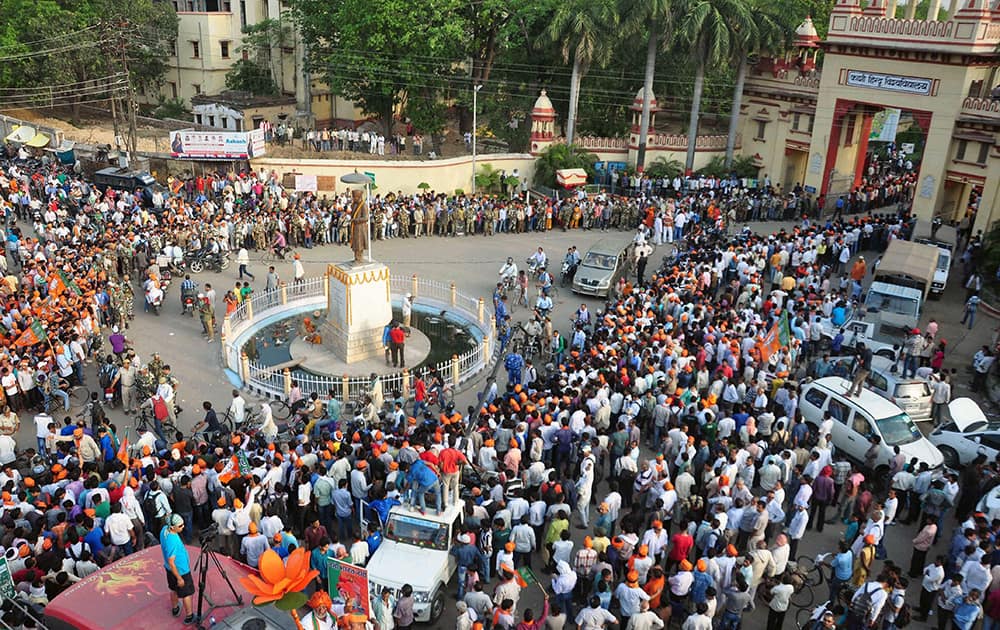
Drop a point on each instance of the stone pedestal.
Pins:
(358, 309)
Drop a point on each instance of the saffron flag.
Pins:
(779, 335)
(56, 286)
(33, 334)
(122, 455)
(68, 282)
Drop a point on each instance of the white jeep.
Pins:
(415, 550)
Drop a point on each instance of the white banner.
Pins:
(217, 145)
(305, 183)
(891, 82)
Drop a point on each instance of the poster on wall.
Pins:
(884, 125)
(217, 145)
(306, 183)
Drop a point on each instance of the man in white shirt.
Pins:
(120, 528)
(594, 617)
(42, 422)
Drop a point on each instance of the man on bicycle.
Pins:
(508, 272)
(543, 305)
(544, 281)
(582, 316)
(279, 245)
(211, 422)
(537, 260)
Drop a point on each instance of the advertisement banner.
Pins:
(348, 584)
(217, 145)
(306, 183)
(884, 125)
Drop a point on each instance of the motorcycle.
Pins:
(155, 303)
(187, 303)
(567, 273)
(215, 262)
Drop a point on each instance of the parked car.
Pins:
(858, 418)
(912, 395)
(600, 268)
(964, 433)
(415, 550)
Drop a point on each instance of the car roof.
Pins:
(875, 405)
(446, 517)
(608, 246)
(968, 416)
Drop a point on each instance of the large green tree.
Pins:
(654, 18)
(380, 54)
(710, 30)
(583, 28)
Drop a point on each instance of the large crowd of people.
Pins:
(659, 428)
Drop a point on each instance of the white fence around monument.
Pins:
(274, 382)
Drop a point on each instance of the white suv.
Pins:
(857, 418)
(415, 550)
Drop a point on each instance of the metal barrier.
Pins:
(268, 307)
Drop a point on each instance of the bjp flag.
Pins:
(122, 455)
(32, 334)
(777, 336)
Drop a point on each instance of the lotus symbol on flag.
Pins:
(281, 583)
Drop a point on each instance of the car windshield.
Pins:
(943, 260)
(912, 390)
(600, 261)
(898, 430)
(417, 531)
(892, 303)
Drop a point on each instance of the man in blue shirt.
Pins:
(420, 479)
(178, 566)
(843, 566)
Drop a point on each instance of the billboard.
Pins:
(217, 145)
(348, 584)
(884, 125)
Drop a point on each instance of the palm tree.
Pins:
(560, 156)
(653, 17)
(768, 34)
(710, 29)
(583, 27)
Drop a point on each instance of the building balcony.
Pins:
(958, 35)
(985, 109)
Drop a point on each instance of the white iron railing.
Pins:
(264, 308)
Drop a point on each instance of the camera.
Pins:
(208, 534)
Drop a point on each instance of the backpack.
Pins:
(904, 616)
(149, 503)
(861, 606)
(106, 374)
(160, 408)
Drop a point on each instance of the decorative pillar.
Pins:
(830, 163)
(414, 282)
(250, 310)
(911, 9)
(227, 330)
(345, 389)
(859, 162)
(455, 373)
(481, 310)
(406, 383)
(890, 9)
(284, 293)
(934, 10)
(454, 295)
(326, 291)
(287, 373)
(487, 351)
(244, 367)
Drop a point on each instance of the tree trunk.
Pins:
(699, 84)
(734, 115)
(647, 94)
(574, 96)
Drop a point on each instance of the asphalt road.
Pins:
(472, 263)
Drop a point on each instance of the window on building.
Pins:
(224, 49)
(243, 13)
(196, 87)
(761, 127)
(173, 89)
(796, 119)
(225, 123)
(173, 48)
(197, 119)
(960, 151)
(976, 89)
(812, 121)
(238, 124)
(195, 50)
(984, 152)
(211, 121)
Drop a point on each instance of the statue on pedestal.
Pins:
(359, 225)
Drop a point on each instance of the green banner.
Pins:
(244, 463)
(6, 580)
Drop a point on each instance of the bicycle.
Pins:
(811, 570)
(145, 422)
(271, 256)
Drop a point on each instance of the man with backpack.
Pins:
(867, 604)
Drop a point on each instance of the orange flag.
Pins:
(123, 451)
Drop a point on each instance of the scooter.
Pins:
(187, 304)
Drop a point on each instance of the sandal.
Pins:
(176, 610)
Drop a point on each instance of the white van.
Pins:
(858, 418)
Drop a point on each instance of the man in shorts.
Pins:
(178, 566)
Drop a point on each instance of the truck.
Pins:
(902, 280)
(945, 254)
(416, 550)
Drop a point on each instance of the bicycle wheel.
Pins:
(227, 420)
(805, 564)
(802, 597)
(79, 395)
(280, 410)
(802, 618)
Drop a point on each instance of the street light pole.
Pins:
(475, 94)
